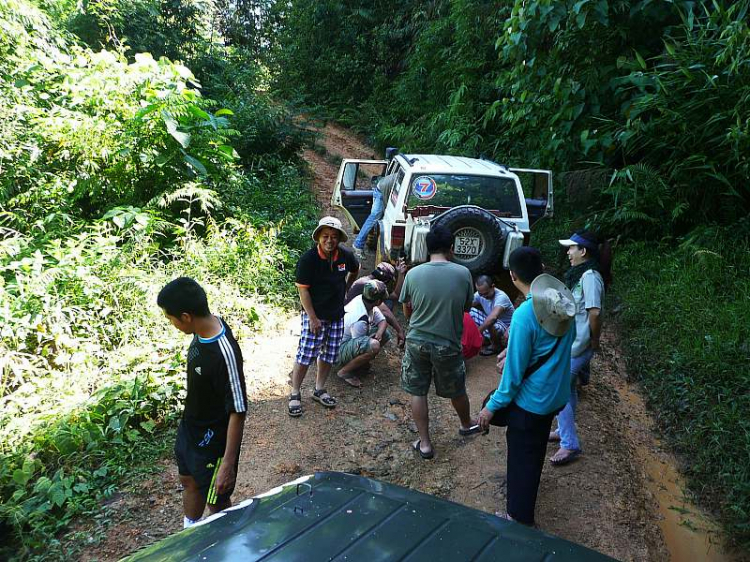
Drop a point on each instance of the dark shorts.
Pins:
(202, 465)
(423, 360)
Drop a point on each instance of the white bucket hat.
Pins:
(330, 222)
(554, 306)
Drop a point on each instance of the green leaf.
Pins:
(198, 112)
(640, 60)
(224, 112)
(141, 113)
(196, 164)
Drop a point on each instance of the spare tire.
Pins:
(479, 237)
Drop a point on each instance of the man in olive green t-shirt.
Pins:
(435, 296)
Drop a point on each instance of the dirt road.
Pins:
(601, 501)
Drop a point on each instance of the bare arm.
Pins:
(407, 310)
(306, 300)
(227, 475)
(350, 278)
(390, 318)
(381, 330)
(491, 318)
(595, 323)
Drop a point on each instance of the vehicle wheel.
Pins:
(483, 237)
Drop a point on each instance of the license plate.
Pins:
(466, 246)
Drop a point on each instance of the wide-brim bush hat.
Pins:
(585, 239)
(330, 222)
(554, 306)
(374, 290)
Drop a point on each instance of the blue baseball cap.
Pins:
(585, 239)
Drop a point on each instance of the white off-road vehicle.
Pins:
(487, 206)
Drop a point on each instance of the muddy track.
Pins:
(601, 501)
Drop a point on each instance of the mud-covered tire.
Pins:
(480, 223)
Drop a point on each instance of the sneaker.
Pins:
(359, 253)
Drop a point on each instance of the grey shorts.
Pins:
(423, 360)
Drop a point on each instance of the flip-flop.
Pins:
(473, 430)
(351, 378)
(567, 459)
(416, 446)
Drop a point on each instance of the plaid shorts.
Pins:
(479, 317)
(324, 346)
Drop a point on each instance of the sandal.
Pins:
(473, 430)
(295, 410)
(572, 454)
(323, 398)
(351, 378)
(417, 447)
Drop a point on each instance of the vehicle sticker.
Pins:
(424, 187)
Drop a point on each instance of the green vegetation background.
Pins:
(648, 102)
(122, 168)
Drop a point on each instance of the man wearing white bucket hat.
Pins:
(324, 274)
(535, 383)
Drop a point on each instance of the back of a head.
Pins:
(439, 240)
(183, 295)
(526, 263)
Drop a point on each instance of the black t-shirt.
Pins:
(326, 280)
(215, 389)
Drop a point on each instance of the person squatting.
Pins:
(543, 347)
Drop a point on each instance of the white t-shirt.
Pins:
(357, 321)
(588, 293)
(499, 299)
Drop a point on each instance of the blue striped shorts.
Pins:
(324, 346)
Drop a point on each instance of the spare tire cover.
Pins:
(479, 237)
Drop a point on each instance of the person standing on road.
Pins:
(492, 312)
(535, 381)
(435, 296)
(384, 185)
(587, 284)
(210, 432)
(324, 274)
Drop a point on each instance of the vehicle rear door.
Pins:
(352, 193)
(537, 190)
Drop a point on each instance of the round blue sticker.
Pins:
(424, 187)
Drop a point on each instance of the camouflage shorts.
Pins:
(423, 360)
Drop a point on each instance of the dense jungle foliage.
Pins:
(648, 101)
(121, 169)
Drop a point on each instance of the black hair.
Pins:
(183, 295)
(602, 254)
(484, 280)
(380, 275)
(439, 240)
(526, 263)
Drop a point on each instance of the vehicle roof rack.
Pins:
(483, 157)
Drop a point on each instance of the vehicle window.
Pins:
(359, 176)
(449, 190)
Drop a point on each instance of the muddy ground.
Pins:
(601, 501)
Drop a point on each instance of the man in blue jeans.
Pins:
(382, 187)
(535, 381)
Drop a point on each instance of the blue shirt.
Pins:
(548, 388)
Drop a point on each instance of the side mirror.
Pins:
(390, 152)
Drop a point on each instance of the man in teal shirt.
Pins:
(435, 296)
(541, 335)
